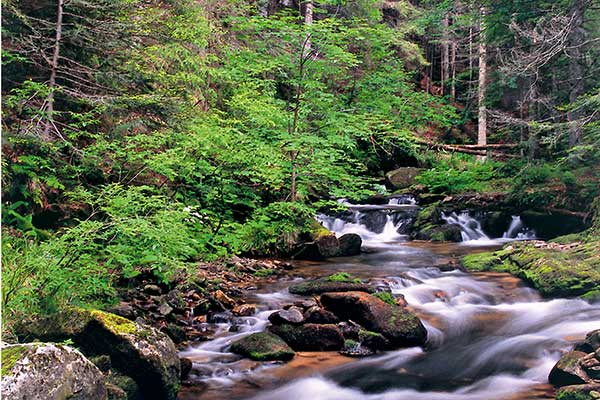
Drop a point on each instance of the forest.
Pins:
(336, 199)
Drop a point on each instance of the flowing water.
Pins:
(489, 336)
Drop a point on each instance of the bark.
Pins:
(482, 119)
(576, 71)
(53, 69)
(445, 66)
(308, 20)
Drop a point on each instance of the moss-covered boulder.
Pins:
(568, 371)
(579, 392)
(263, 346)
(49, 371)
(398, 325)
(310, 337)
(554, 269)
(339, 282)
(141, 352)
(429, 225)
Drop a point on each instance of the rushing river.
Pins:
(489, 336)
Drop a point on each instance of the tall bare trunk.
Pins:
(445, 67)
(53, 70)
(453, 69)
(577, 37)
(308, 20)
(482, 119)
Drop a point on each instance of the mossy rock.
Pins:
(398, 325)
(263, 346)
(310, 337)
(553, 270)
(579, 392)
(568, 371)
(142, 352)
(49, 371)
(324, 285)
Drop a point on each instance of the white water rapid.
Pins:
(489, 336)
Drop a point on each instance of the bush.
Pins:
(458, 176)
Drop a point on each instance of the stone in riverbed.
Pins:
(139, 351)
(568, 371)
(263, 346)
(292, 315)
(323, 285)
(49, 371)
(350, 245)
(398, 325)
(579, 392)
(310, 337)
(318, 315)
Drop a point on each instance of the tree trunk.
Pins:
(577, 37)
(445, 67)
(308, 20)
(53, 69)
(482, 118)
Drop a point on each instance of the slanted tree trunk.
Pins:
(53, 70)
(482, 117)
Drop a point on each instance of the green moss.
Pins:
(318, 231)
(10, 356)
(114, 323)
(386, 297)
(552, 269)
(574, 393)
(342, 277)
(264, 272)
(263, 346)
(438, 237)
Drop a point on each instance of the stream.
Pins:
(489, 336)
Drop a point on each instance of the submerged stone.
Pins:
(263, 346)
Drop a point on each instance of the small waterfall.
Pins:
(469, 226)
(402, 200)
(472, 232)
(518, 231)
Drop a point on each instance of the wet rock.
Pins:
(292, 315)
(323, 247)
(349, 245)
(244, 310)
(153, 290)
(373, 340)
(186, 367)
(398, 325)
(263, 346)
(310, 337)
(176, 333)
(115, 393)
(568, 371)
(323, 285)
(225, 300)
(374, 221)
(124, 310)
(318, 315)
(579, 392)
(126, 384)
(355, 349)
(402, 177)
(444, 233)
(49, 371)
(175, 299)
(140, 351)
(165, 309)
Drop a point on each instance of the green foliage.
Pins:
(458, 175)
(386, 297)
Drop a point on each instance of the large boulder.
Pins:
(49, 371)
(263, 346)
(321, 244)
(139, 351)
(310, 337)
(350, 245)
(396, 324)
(568, 371)
(324, 285)
(402, 177)
(443, 233)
